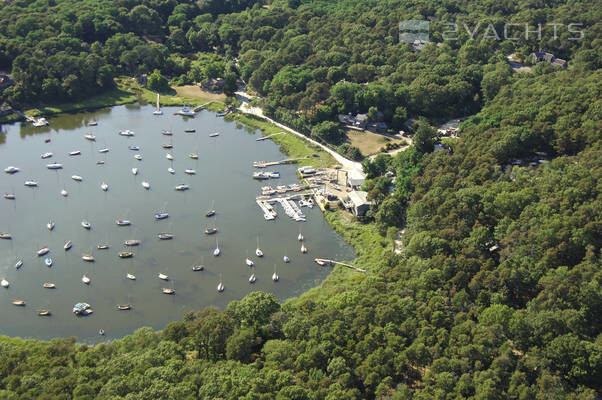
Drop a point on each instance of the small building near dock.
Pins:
(358, 202)
(355, 178)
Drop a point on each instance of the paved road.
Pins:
(347, 164)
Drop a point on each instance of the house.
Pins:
(361, 120)
(355, 178)
(358, 202)
(538, 56)
(215, 84)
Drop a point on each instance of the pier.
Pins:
(263, 164)
(202, 106)
(324, 261)
(268, 136)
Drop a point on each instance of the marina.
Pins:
(117, 275)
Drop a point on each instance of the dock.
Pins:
(202, 106)
(263, 164)
(323, 261)
(268, 136)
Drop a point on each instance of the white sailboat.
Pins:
(146, 185)
(131, 277)
(286, 259)
(303, 249)
(64, 193)
(220, 285)
(158, 109)
(135, 171)
(275, 276)
(4, 283)
(104, 187)
(249, 263)
(258, 251)
(163, 277)
(85, 279)
(217, 251)
(300, 236)
(252, 278)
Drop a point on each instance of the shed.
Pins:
(358, 202)
(355, 178)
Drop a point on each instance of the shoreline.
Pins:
(367, 244)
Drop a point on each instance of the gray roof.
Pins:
(358, 197)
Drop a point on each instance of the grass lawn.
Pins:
(290, 144)
(369, 143)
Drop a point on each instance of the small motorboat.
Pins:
(4, 283)
(135, 171)
(168, 291)
(190, 171)
(210, 213)
(123, 222)
(67, 245)
(19, 264)
(103, 150)
(77, 178)
(46, 155)
(300, 237)
(102, 246)
(138, 157)
(303, 249)
(126, 254)
(130, 277)
(249, 263)
(90, 137)
(252, 278)
(48, 285)
(31, 183)
(50, 225)
(286, 259)
(5, 235)
(43, 251)
(104, 186)
(126, 132)
(54, 166)
(47, 140)
(163, 276)
(171, 170)
(81, 309)
(19, 303)
(161, 215)
(169, 156)
(64, 193)
(100, 162)
(9, 196)
(214, 134)
(166, 132)
(44, 313)
(198, 267)
(167, 146)
(165, 236)
(134, 148)
(132, 242)
(185, 111)
(146, 185)
(190, 130)
(86, 279)
(88, 257)
(75, 153)
(210, 230)
(48, 261)
(11, 169)
(320, 262)
(86, 224)
(124, 307)
(258, 252)
(182, 187)
(194, 156)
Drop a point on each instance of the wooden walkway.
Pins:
(263, 164)
(332, 262)
(268, 136)
(202, 106)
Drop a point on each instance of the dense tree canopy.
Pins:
(496, 289)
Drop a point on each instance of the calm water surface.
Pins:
(223, 176)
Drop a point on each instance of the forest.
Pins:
(497, 291)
